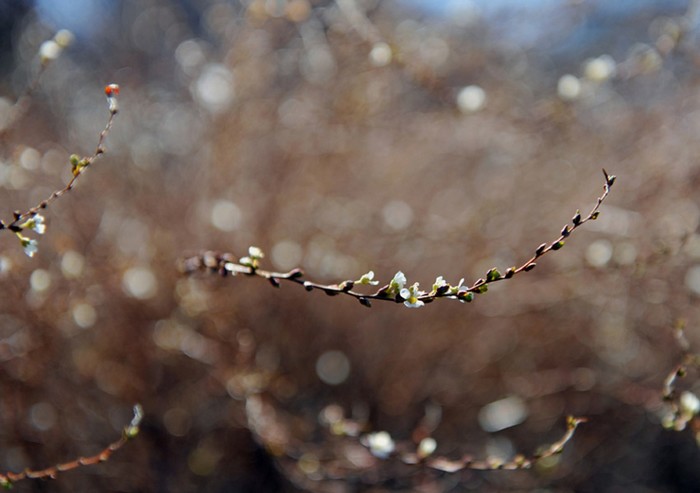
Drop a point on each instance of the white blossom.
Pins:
(410, 295)
(30, 246)
(439, 282)
(255, 252)
(398, 282)
(367, 278)
(35, 223)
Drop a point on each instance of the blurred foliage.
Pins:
(343, 137)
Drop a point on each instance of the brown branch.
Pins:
(130, 431)
(518, 462)
(226, 264)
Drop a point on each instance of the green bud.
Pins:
(468, 297)
(131, 431)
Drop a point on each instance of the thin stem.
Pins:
(130, 431)
(518, 462)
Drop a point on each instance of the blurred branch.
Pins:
(130, 431)
(381, 445)
(396, 291)
(31, 219)
(48, 52)
(520, 461)
(263, 421)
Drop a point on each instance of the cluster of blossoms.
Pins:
(36, 224)
(412, 294)
(685, 410)
(253, 258)
(409, 294)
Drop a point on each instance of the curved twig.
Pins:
(226, 264)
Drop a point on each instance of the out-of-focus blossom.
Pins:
(380, 444)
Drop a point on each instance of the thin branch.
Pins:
(518, 462)
(130, 431)
(226, 264)
(23, 220)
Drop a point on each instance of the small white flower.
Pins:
(255, 253)
(35, 223)
(398, 282)
(39, 225)
(410, 295)
(380, 444)
(367, 279)
(439, 282)
(30, 246)
(253, 258)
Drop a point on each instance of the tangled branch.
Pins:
(684, 406)
(397, 289)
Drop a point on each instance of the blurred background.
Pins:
(436, 138)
